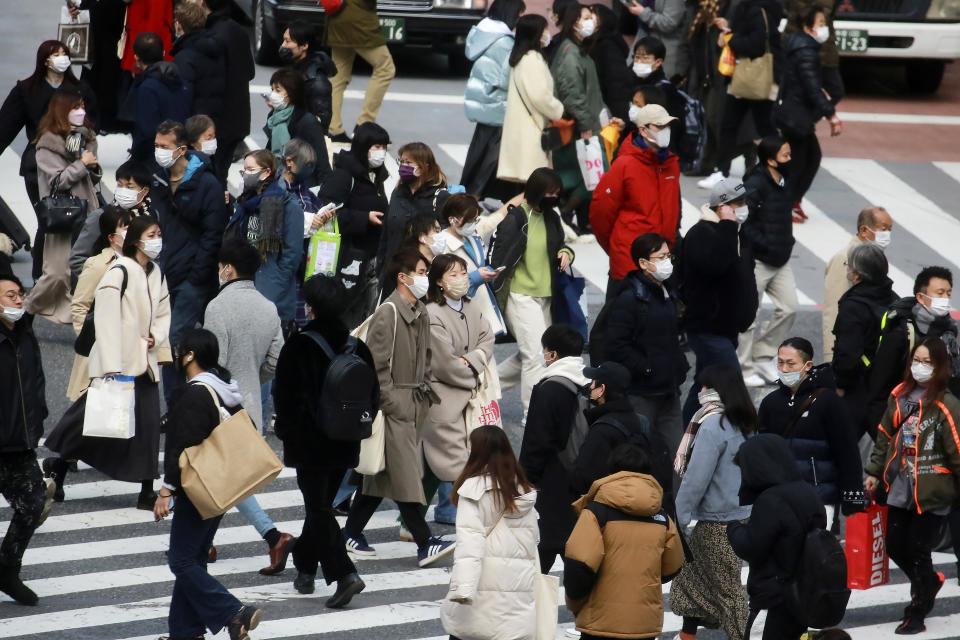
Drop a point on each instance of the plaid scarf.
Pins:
(712, 406)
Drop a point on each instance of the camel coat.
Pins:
(520, 150)
(50, 297)
(124, 325)
(402, 359)
(835, 284)
(453, 335)
(93, 269)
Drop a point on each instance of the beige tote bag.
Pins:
(753, 77)
(373, 457)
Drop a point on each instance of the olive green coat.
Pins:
(577, 86)
(355, 26)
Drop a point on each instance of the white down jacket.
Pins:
(494, 572)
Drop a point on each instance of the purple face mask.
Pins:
(76, 117)
(407, 173)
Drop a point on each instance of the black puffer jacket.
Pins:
(857, 331)
(404, 206)
(719, 288)
(301, 370)
(317, 69)
(305, 126)
(784, 510)
(769, 229)
(643, 334)
(234, 123)
(23, 403)
(201, 60)
(802, 83)
(617, 80)
(824, 440)
(361, 191)
(752, 36)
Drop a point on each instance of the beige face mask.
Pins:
(456, 287)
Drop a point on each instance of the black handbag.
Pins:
(555, 135)
(61, 211)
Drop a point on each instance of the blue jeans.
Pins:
(199, 601)
(256, 516)
(187, 303)
(709, 349)
(266, 390)
(445, 512)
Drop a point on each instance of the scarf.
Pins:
(75, 141)
(277, 122)
(923, 318)
(261, 218)
(712, 405)
(706, 14)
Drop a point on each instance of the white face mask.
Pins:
(587, 27)
(543, 360)
(376, 157)
(220, 279)
(791, 378)
(209, 147)
(633, 112)
(823, 34)
(663, 138)
(419, 286)
(664, 269)
(642, 69)
(164, 157)
(468, 229)
(152, 247)
(126, 198)
(545, 41)
(277, 100)
(881, 238)
(12, 314)
(60, 63)
(939, 306)
(437, 243)
(921, 371)
(742, 213)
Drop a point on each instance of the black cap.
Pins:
(613, 375)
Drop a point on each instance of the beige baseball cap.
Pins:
(653, 114)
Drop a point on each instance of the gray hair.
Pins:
(300, 151)
(869, 262)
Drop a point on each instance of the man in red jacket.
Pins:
(639, 194)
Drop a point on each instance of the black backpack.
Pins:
(598, 333)
(350, 395)
(692, 146)
(83, 345)
(817, 593)
(578, 424)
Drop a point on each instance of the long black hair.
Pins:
(737, 405)
(112, 217)
(528, 36)
(506, 11)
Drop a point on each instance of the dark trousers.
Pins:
(911, 538)
(21, 483)
(953, 520)
(199, 601)
(781, 625)
(547, 558)
(709, 349)
(804, 164)
(223, 158)
(365, 506)
(321, 542)
(33, 192)
(734, 111)
(187, 303)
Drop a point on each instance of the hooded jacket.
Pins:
(719, 286)
(785, 509)
(824, 441)
(489, 44)
(936, 457)
(639, 194)
(158, 94)
(494, 566)
(201, 59)
(23, 403)
(769, 228)
(192, 220)
(621, 550)
(857, 332)
(317, 69)
(802, 82)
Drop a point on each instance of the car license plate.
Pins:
(852, 40)
(394, 29)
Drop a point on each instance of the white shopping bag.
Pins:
(109, 408)
(590, 157)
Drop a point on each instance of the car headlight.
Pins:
(462, 4)
(944, 10)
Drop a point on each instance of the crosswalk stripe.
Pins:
(457, 152)
(391, 96)
(952, 169)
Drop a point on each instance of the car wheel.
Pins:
(924, 76)
(265, 46)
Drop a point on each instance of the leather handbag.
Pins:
(232, 464)
(61, 211)
(753, 77)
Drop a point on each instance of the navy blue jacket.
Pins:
(192, 220)
(158, 94)
(200, 58)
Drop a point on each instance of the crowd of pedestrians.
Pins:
(359, 324)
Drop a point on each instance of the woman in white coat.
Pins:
(495, 563)
(531, 104)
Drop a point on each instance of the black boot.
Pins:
(304, 582)
(147, 497)
(56, 470)
(347, 587)
(11, 585)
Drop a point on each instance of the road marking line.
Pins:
(391, 96)
(898, 118)
(952, 169)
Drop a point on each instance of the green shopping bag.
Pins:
(323, 249)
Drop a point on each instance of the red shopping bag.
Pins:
(868, 564)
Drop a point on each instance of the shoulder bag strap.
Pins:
(214, 396)
(788, 432)
(524, 103)
(495, 524)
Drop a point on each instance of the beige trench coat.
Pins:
(453, 335)
(403, 370)
(83, 294)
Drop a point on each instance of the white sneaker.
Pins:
(711, 180)
(754, 380)
(768, 370)
(404, 534)
(572, 633)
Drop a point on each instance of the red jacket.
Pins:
(143, 16)
(638, 195)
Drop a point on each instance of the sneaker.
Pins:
(754, 380)
(572, 633)
(404, 534)
(55, 469)
(341, 138)
(246, 620)
(48, 493)
(768, 370)
(711, 180)
(358, 546)
(910, 626)
(435, 549)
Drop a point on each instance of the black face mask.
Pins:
(548, 203)
(783, 168)
(285, 55)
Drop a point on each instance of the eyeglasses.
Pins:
(668, 256)
(13, 296)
